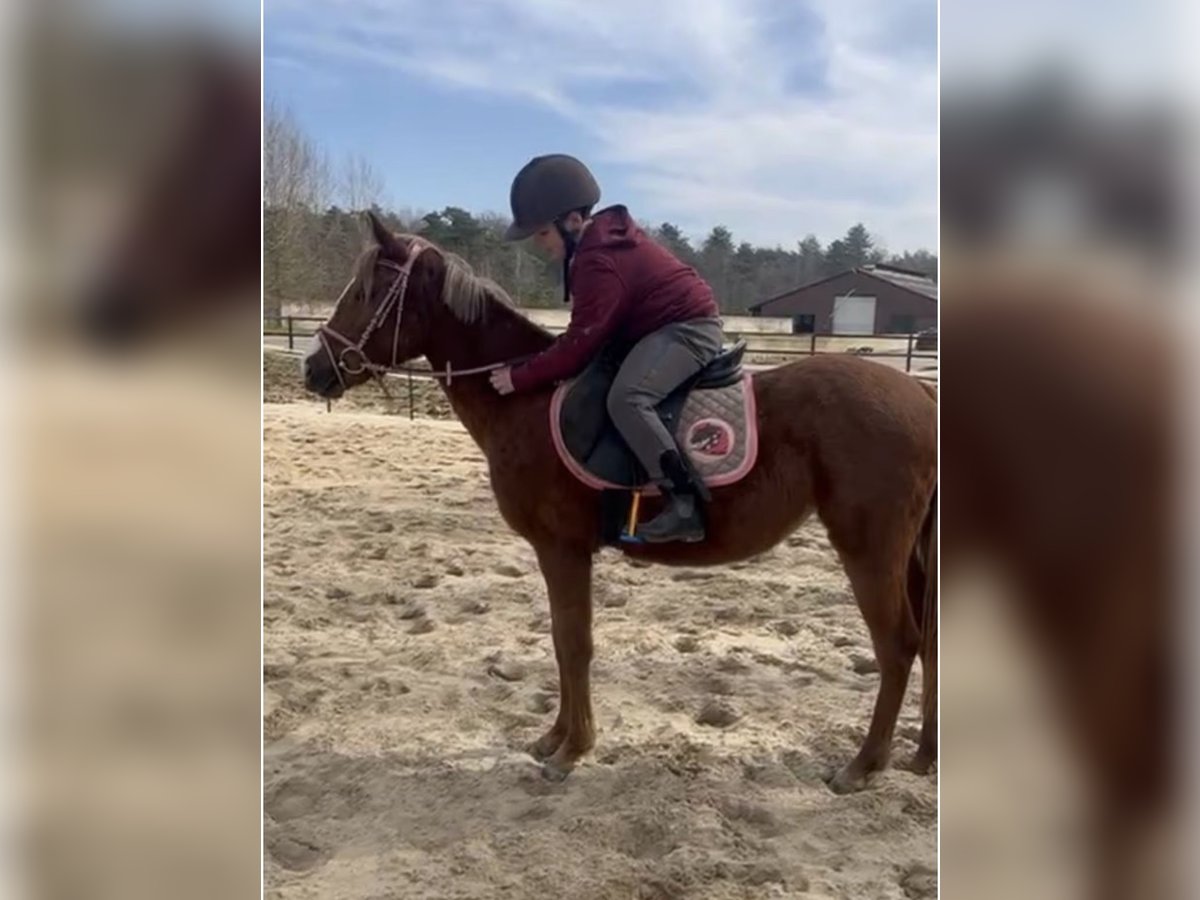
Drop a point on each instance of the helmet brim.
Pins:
(516, 232)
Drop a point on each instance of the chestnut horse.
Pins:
(851, 439)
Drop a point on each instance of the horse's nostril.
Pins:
(318, 377)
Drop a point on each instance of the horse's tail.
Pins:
(925, 552)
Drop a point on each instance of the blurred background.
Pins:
(131, 200)
(1068, 326)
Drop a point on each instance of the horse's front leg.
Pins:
(568, 574)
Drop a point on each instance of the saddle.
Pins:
(712, 417)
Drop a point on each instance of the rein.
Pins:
(395, 296)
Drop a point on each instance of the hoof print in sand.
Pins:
(787, 628)
(474, 607)
(410, 610)
(422, 625)
(507, 670)
(687, 644)
(919, 882)
(296, 852)
(715, 684)
(610, 598)
(805, 768)
(864, 665)
(731, 665)
(717, 715)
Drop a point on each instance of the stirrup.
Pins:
(629, 535)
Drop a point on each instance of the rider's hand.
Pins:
(502, 380)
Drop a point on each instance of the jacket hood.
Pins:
(611, 227)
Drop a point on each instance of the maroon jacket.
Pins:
(623, 286)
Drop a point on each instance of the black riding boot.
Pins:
(683, 518)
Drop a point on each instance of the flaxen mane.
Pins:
(467, 295)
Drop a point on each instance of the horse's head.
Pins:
(191, 242)
(381, 319)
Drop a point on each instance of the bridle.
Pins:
(395, 296)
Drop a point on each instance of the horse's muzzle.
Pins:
(321, 379)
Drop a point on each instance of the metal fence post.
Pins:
(290, 344)
(812, 343)
(410, 396)
(908, 354)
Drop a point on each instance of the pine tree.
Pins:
(676, 241)
(715, 257)
(810, 260)
(858, 246)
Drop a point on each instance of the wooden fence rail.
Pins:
(288, 330)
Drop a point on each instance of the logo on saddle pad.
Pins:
(710, 439)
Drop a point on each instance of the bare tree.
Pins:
(295, 172)
(296, 183)
(361, 185)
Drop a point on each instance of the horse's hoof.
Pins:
(545, 746)
(554, 773)
(848, 780)
(922, 764)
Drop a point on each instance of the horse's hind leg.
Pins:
(878, 580)
(918, 574)
(568, 575)
(926, 756)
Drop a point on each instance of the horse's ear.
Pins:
(383, 237)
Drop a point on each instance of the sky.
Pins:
(774, 118)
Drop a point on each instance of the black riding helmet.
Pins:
(544, 191)
(547, 188)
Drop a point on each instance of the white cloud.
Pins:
(770, 117)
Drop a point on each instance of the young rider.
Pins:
(625, 288)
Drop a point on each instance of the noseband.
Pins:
(353, 351)
(394, 297)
